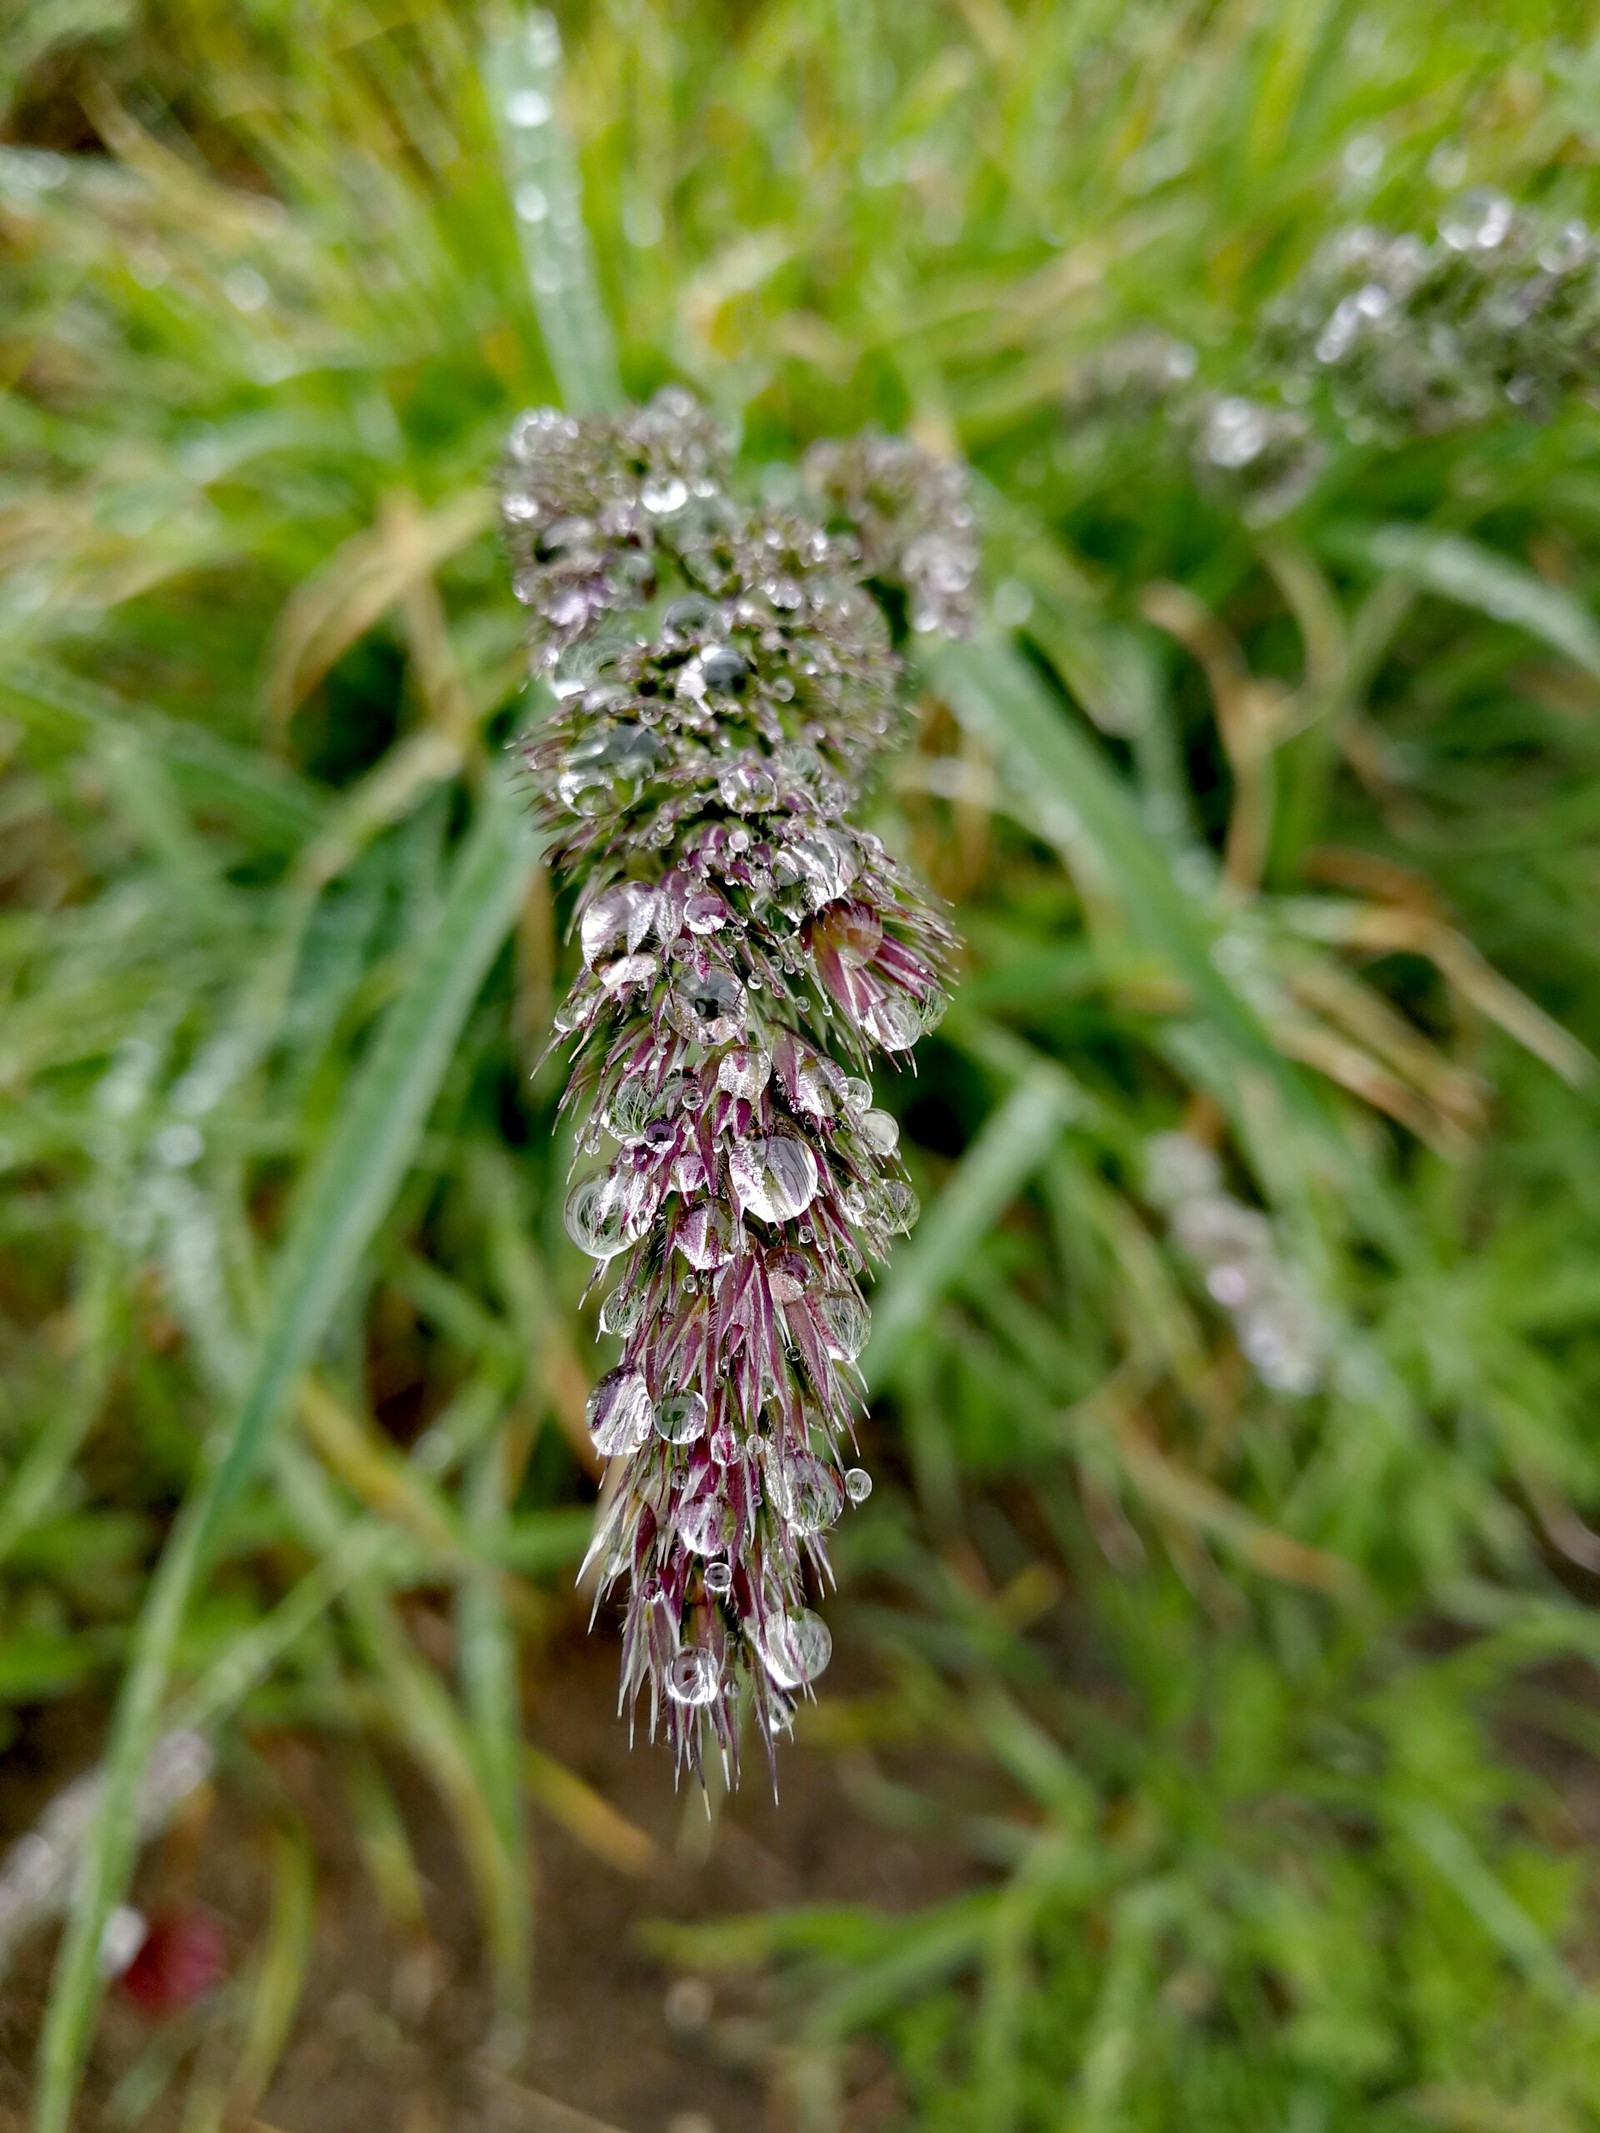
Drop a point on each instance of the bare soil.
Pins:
(391, 2034)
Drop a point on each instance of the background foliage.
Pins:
(1262, 1716)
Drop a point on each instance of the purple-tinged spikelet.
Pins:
(724, 682)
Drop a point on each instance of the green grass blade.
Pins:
(1013, 1141)
(1474, 576)
(344, 1200)
(523, 73)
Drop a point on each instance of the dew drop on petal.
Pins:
(805, 1491)
(744, 1071)
(709, 1010)
(857, 1484)
(624, 1308)
(705, 1526)
(693, 1676)
(895, 1020)
(846, 1323)
(719, 1578)
(774, 1179)
(681, 1417)
(619, 1413)
(664, 495)
(795, 1647)
(880, 1131)
(620, 913)
(595, 1216)
(856, 1092)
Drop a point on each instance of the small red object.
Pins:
(182, 1957)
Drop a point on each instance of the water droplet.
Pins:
(795, 1647)
(805, 1490)
(724, 1445)
(705, 912)
(745, 1071)
(857, 1484)
(856, 1092)
(774, 1179)
(719, 1578)
(681, 1417)
(746, 786)
(619, 1414)
(621, 913)
(663, 495)
(594, 1216)
(846, 1322)
(723, 669)
(880, 1131)
(1479, 221)
(709, 1009)
(624, 1308)
(894, 1019)
(693, 1677)
(705, 1526)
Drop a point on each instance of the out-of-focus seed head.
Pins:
(724, 679)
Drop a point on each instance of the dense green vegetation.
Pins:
(1256, 1708)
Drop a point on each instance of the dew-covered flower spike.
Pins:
(724, 680)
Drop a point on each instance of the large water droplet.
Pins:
(857, 1484)
(895, 1020)
(709, 1010)
(746, 786)
(624, 1308)
(719, 1578)
(681, 1417)
(705, 912)
(774, 1179)
(745, 1071)
(846, 1322)
(705, 1526)
(880, 1131)
(805, 1490)
(621, 913)
(693, 1676)
(619, 1414)
(825, 862)
(595, 1216)
(856, 1092)
(722, 668)
(795, 1648)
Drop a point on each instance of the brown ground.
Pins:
(389, 2039)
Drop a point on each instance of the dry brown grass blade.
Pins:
(1364, 1015)
(361, 581)
(1251, 717)
(1353, 1068)
(1172, 1489)
(1386, 929)
(586, 1815)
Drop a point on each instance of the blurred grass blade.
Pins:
(1044, 755)
(1013, 1141)
(1477, 577)
(523, 73)
(1451, 1855)
(488, 1658)
(280, 1976)
(343, 1201)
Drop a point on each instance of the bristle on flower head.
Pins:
(724, 680)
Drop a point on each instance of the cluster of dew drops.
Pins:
(724, 677)
(1385, 334)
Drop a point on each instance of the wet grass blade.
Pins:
(523, 73)
(344, 1199)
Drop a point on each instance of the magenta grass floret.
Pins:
(725, 679)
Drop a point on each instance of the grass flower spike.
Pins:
(725, 679)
